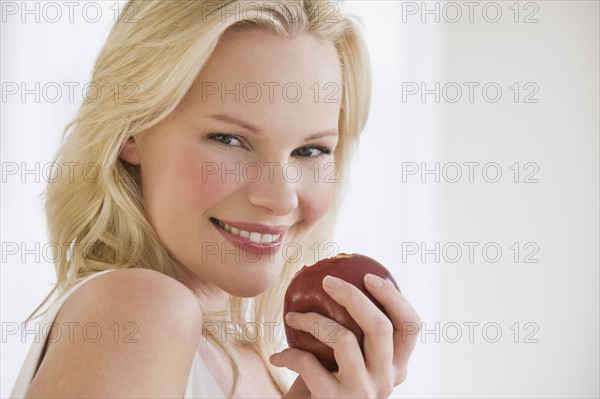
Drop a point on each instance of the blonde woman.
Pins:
(213, 179)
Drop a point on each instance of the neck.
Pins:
(212, 298)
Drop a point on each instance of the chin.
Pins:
(248, 291)
(249, 287)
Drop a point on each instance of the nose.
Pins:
(273, 192)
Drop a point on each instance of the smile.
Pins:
(256, 237)
(251, 235)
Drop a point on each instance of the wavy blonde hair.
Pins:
(162, 46)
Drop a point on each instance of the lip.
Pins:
(259, 228)
(245, 244)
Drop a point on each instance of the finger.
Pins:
(298, 389)
(317, 378)
(405, 319)
(344, 343)
(376, 326)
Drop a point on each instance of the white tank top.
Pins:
(200, 382)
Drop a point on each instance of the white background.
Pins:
(385, 212)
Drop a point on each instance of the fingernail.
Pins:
(373, 280)
(291, 316)
(332, 282)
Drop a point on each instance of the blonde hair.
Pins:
(162, 46)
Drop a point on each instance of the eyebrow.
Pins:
(248, 126)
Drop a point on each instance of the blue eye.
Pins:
(312, 151)
(226, 139)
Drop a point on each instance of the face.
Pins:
(239, 170)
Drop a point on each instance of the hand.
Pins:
(388, 344)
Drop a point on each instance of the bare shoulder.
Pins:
(142, 292)
(126, 333)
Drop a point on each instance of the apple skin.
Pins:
(306, 294)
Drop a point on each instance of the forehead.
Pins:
(265, 78)
(259, 54)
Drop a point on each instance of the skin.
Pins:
(181, 198)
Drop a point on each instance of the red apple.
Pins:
(306, 294)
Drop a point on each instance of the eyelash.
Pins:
(213, 136)
(323, 150)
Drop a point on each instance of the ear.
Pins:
(130, 152)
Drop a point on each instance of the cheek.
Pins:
(315, 200)
(203, 182)
(183, 186)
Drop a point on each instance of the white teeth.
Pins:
(253, 236)
(266, 238)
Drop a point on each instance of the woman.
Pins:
(213, 178)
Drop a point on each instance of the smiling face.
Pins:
(239, 170)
